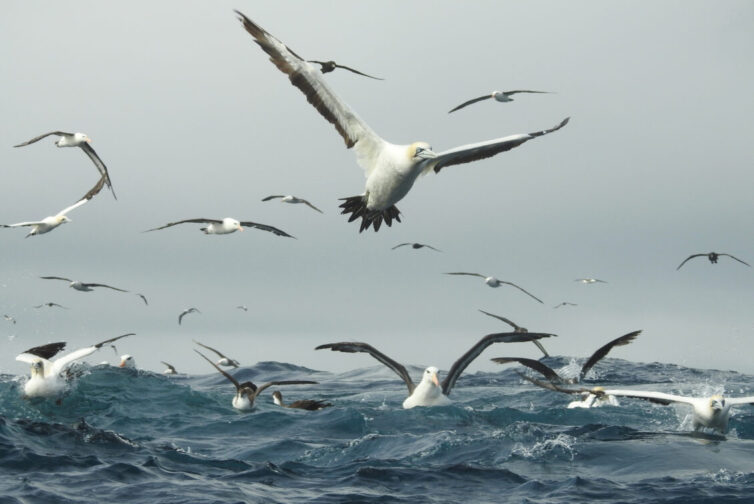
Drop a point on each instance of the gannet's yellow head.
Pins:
(418, 151)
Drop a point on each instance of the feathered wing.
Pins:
(736, 258)
(221, 371)
(655, 397)
(265, 227)
(482, 150)
(274, 196)
(89, 195)
(284, 382)
(104, 285)
(466, 359)
(310, 81)
(522, 290)
(537, 366)
(59, 364)
(219, 354)
(111, 340)
(740, 400)
(47, 351)
(56, 278)
(603, 351)
(467, 103)
(689, 258)
(200, 220)
(311, 206)
(99, 164)
(354, 347)
(170, 366)
(467, 274)
(356, 71)
(40, 137)
(550, 385)
(72, 207)
(22, 224)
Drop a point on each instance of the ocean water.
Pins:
(136, 436)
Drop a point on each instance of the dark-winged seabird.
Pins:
(390, 169)
(9, 318)
(291, 199)
(517, 328)
(51, 222)
(170, 368)
(564, 303)
(186, 312)
(305, 404)
(77, 140)
(45, 378)
(416, 246)
(589, 280)
(501, 96)
(495, 282)
(82, 286)
(713, 257)
(429, 392)
(329, 66)
(50, 305)
(225, 226)
(247, 392)
(223, 360)
(554, 377)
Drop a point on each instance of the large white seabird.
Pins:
(390, 169)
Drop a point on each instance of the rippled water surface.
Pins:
(134, 436)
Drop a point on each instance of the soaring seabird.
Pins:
(291, 199)
(517, 328)
(247, 392)
(127, 361)
(429, 392)
(223, 360)
(416, 246)
(225, 226)
(170, 368)
(50, 304)
(242, 307)
(9, 318)
(494, 282)
(713, 257)
(51, 222)
(306, 404)
(554, 377)
(564, 303)
(329, 66)
(143, 298)
(390, 169)
(186, 312)
(45, 373)
(77, 140)
(589, 280)
(82, 286)
(501, 96)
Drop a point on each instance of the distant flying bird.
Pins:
(305, 404)
(82, 286)
(390, 169)
(225, 226)
(127, 362)
(564, 303)
(292, 200)
(77, 140)
(9, 318)
(594, 359)
(713, 257)
(143, 298)
(50, 305)
(329, 66)
(429, 391)
(223, 360)
(46, 379)
(517, 328)
(247, 392)
(186, 312)
(170, 369)
(501, 96)
(589, 280)
(494, 282)
(416, 246)
(51, 222)
(242, 307)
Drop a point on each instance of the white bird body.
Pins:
(428, 392)
(241, 401)
(48, 223)
(228, 225)
(127, 362)
(74, 140)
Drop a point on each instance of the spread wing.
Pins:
(311, 82)
(354, 347)
(196, 221)
(285, 382)
(740, 400)
(338, 65)
(222, 372)
(688, 258)
(103, 285)
(521, 289)
(655, 397)
(549, 385)
(99, 164)
(603, 350)
(466, 359)
(736, 258)
(219, 354)
(274, 196)
(537, 366)
(483, 150)
(59, 364)
(22, 224)
(468, 274)
(47, 351)
(89, 195)
(101, 343)
(265, 227)
(315, 208)
(466, 103)
(40, 137)
(56, 278)
(170, 366)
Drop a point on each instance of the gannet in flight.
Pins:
(390, 169)
(429, 391)
(713, 257)
(501, 96)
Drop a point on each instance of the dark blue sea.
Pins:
(135, 436)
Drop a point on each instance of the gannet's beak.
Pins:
(426, 154)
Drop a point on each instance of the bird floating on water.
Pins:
(501, 96)
(429, 391)
(305, 404)
(223, 360)
(291, 199)
(224, 226)
(127, 361)
(77, 140)
(713, 257)
(495, 282)
(390, 169)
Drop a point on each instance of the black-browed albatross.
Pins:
(223, 360)
(429, 392)
(292, 200)
(77, 140)
(501, 96)
(713, 257)
(390, 169)
(224, 226)
(517, 328)
(186, 312)
(82, 286)
(496, 282)
(329, 66)
(305, 404)
(416, 246)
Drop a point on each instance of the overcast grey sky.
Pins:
(192, 120)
